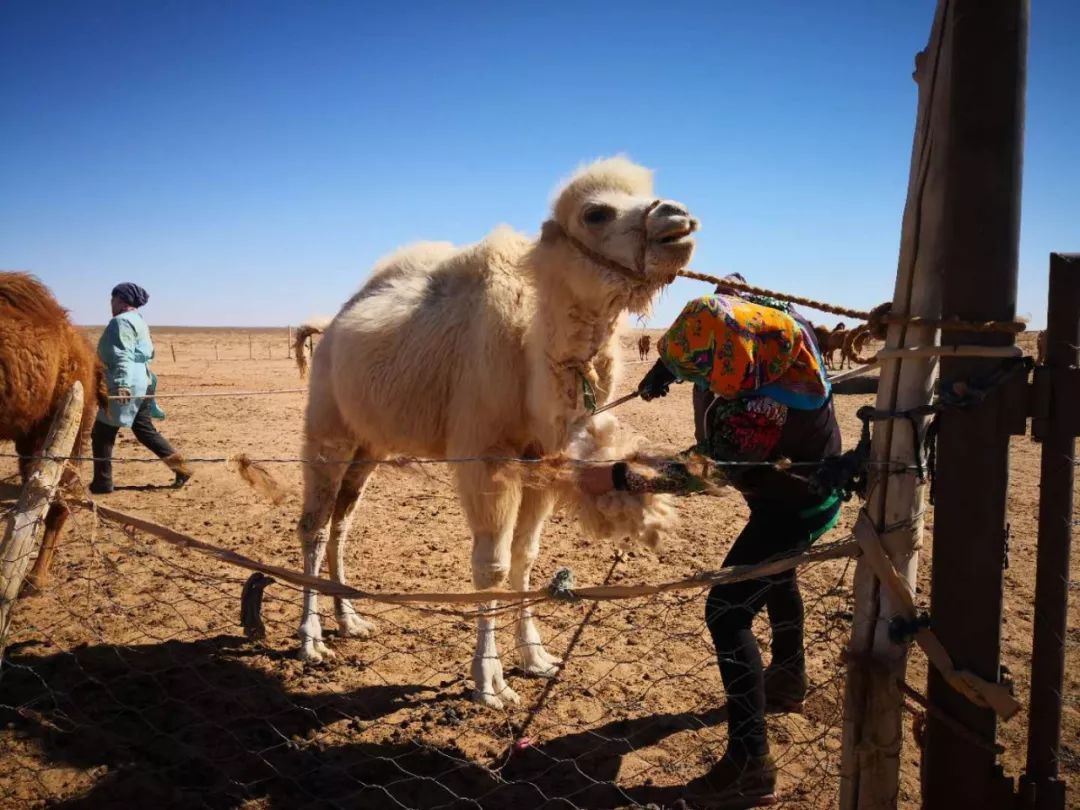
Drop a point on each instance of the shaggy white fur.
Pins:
(481, 351)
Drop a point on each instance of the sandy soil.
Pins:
(129, 683)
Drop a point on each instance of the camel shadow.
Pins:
(188, 724)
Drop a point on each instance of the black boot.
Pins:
(785, 688)
(102, 439)
(180, 468)
(738, 780)
(785, 678)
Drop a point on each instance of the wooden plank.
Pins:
(976, 689)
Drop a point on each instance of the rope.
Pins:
(846, 547)
(876, 319)
(820, 306)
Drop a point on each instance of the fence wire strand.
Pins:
(127, 682)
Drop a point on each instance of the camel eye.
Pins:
(598, 215)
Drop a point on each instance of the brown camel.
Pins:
(42, 354)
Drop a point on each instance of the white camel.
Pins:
(486, 350)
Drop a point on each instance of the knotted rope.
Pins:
(876, 320)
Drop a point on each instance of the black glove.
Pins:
(656, 382)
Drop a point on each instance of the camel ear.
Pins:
(550, 231)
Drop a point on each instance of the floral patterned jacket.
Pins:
(762, 387)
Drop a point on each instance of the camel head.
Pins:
(618, 237)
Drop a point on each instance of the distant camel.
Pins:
(492, 350)
(643, 345)
(831, 341)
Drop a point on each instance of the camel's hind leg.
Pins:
(349, 495)
(322, 482)
(535, 507)
(55, 524)
(491, 507)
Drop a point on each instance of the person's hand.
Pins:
(123, 395)
(656, 383)
(596, 480)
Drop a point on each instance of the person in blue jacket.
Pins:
(126, 350)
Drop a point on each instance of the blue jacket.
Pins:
(126, 350)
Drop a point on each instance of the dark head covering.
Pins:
(723, 289)
(131, 294)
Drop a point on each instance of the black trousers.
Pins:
(730, 610)
(103, 439)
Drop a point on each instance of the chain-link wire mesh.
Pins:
(129, 682)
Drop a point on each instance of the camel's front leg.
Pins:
(491, 507)
(536, 505)
(490, 566)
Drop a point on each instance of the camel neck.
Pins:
(570, 327)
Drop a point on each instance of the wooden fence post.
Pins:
(981, 171)
(172, 350)
(251, 348)
(288, 350)
(26, 522)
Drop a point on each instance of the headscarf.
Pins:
(738, 348)
(131, 294)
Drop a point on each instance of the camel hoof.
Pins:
(538, 662)
(542, 670)
(352, 626)
(486, 699)
(315, 652)
(496, 701)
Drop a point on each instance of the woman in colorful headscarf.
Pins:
(126, 350)
(760, 394)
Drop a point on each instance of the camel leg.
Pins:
(321, 485)
(352, 490)
(55, 523)
(535, 507)
(491, 508)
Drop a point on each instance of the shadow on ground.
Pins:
(190, 724)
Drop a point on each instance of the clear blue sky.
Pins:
(247, 161)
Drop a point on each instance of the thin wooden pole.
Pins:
(172, 350)
(26, 523)
(216, 356)
(873, 729)
(251, 348)
(981, 172)
(288, 350)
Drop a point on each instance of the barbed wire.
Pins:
(211, 394)
(406, 461)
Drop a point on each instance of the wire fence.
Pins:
(129, 682)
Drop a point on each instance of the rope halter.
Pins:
(553, 229)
